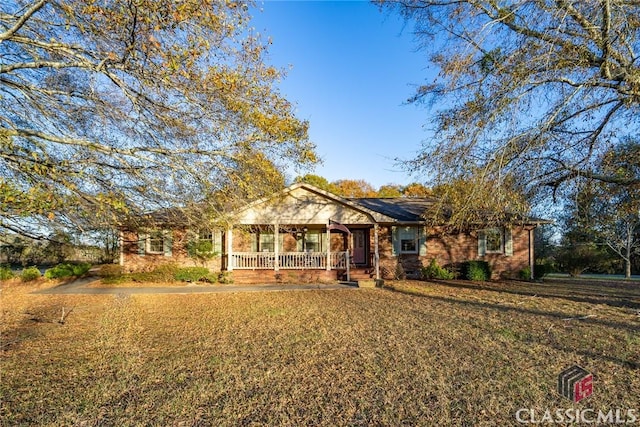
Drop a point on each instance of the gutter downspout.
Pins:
(531, 254)
(376, 251)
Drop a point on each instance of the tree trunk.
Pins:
(627, 260)
(627, 272)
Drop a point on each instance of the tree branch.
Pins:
(21, 21)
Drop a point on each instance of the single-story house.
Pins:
(304, 232)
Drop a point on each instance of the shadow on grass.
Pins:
(630, 327)
(506, 308)
(618, 295)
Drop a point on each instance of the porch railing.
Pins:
(288, 260)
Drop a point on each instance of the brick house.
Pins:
(305, 233)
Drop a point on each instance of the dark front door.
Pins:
(360, 246)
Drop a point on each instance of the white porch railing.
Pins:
(288, 260)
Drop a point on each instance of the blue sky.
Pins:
(351, 69)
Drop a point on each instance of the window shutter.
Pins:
(254, 242)
(217, 241)
(508, 242)
(142, 243)
(422, 241)
(482, 243)
(167, 242)
(395, 241)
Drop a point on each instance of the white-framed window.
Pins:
(495, 241)
(213, 236)
(155, 242)
(267, 242)
(313, 241)
(409, 239)
(264, 241)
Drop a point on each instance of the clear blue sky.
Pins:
(351, 69)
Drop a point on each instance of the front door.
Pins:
(360, 246)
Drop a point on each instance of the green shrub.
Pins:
(581, 258)
(211, 278)
(162, 273)
(6, 273)
(192, 274)
(81, 269)
(525, 273)
(201, 250)
(476, 270)
(541, 270)
(66, 270)
(225, 278)
(29, 274)
(434, 271)
(110, 271)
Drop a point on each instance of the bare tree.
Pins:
(121, 107)
(530, 92)
(618, 206)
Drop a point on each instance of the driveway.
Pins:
(80, 287)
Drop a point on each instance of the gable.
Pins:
(304, 204)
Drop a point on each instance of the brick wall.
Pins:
(445, 248)
(134, 262)
(453, 249)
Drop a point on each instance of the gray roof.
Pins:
(414, 209)
(408, 209)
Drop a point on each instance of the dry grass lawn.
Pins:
(427, 354)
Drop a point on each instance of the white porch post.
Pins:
(230, 249)
(348, 267)
(328, 246)
(532, 259)
(121, 244)
(376, 251)
(276, 246)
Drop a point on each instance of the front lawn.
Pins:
(454, 353)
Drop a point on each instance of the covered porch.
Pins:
(329, 247)
(304, 229)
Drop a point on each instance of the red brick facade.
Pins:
(451, 249)
(393, 229)
(446, 249)
(134, 259)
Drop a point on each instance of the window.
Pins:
(312, 241)
(267, 242)
(264, 241)
(493, 240)
(155, 242)
(408, 239)
(214, 237)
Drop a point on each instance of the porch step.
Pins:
(359, 274)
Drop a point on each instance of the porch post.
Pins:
(230, 248)
(376, 251)
(276, 246)
(532, 259)
(120, 244)
(348, 266)
(328, 246)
